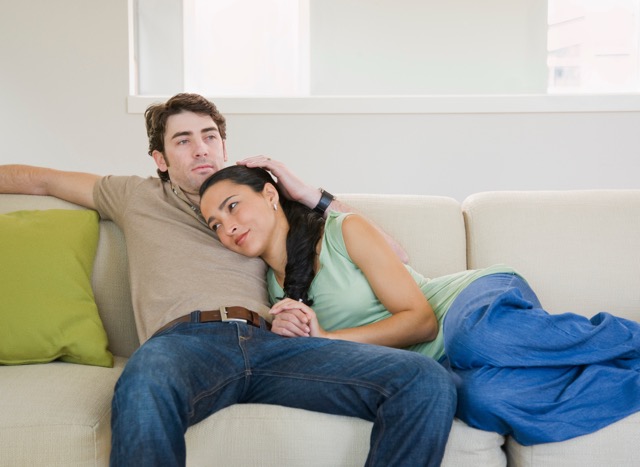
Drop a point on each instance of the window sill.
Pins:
(542, 103)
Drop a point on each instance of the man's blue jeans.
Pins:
(189, 371)
(540, 377)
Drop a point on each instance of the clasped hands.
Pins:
(292, 318)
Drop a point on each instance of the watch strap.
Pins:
(325, 201)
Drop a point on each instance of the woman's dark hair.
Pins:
(305, 228)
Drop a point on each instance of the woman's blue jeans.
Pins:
(540, 377)
(186, 373)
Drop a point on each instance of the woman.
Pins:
(520, 370)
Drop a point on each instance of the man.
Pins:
(202, 348)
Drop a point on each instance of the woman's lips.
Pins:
(240, 239)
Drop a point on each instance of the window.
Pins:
(221, 47)
(265, 41)
(593, 46)
(267, 48)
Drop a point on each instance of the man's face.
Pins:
(193, 150)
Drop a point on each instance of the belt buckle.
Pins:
(224, 316)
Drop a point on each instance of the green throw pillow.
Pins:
(47, 307)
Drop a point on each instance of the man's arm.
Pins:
(296, 189)
(75, 187)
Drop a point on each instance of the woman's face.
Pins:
(243, 219)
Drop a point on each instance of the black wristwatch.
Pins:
(325, 201)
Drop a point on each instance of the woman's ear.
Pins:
(271, 193)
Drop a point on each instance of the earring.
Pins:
(275, 207)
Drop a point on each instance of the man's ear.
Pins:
(160, 160)
(224, 150)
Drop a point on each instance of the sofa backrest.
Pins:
(429, 228)
(580, 250)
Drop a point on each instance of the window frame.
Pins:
(394, 104)
(420, 104)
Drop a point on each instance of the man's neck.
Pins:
(191, 199)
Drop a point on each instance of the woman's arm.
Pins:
(412, 319)
(401, 254)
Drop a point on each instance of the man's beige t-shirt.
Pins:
(176, 263)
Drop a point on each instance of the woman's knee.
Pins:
(481, 403)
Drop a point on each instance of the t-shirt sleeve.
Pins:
(112, 194)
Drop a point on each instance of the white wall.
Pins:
(63, 87)
(63, 104)
(453, 155)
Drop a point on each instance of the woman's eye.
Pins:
(215, 227)
(232, 205)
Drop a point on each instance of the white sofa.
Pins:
(580, 250)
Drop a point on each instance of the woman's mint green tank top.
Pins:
(343, 298)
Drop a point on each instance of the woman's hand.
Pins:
(292, 318)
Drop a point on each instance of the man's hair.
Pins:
(305, 228)
(156, 117)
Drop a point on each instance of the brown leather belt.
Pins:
(225, 313)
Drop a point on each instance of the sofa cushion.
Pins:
(472, 447)
(47, 307)
(110, 279)
(616, 445)
(56, 414)
(332, 440)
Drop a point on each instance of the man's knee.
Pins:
(148, 368)
(433, 381)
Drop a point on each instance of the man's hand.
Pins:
(294, 188)
(290, 184)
